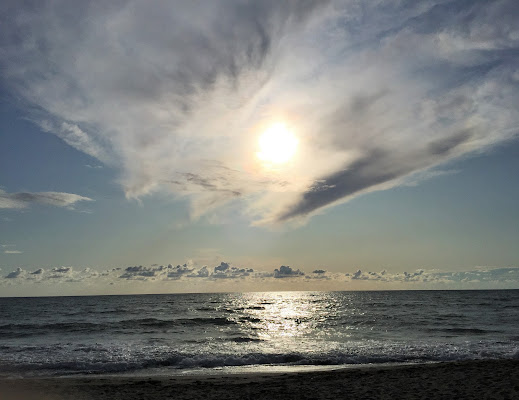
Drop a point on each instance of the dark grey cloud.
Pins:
(25, 199)
(15, 274)
(286, 271)
(159, 272)
(39, 271)
(376, 167)
(445, 145)
(222, 267)
(218, 183)
(179, 271)
(362, 174)
(225, 271)
(320, 274)
(61, 270)
(142, 273)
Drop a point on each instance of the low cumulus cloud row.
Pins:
(226, 271)
(174, 95)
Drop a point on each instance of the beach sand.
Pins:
(492, 379)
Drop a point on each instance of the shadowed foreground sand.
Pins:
(461, 380)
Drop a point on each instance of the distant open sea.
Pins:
(204, 333)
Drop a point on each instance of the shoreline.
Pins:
(478, 379)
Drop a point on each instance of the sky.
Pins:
(173, 146)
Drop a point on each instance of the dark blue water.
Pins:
(200, 332)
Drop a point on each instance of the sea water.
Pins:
(204, 333)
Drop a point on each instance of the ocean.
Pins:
(240, 332)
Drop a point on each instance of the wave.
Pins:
(24, 330)
(464, 331)
(177, 360)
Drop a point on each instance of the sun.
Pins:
(277, 145)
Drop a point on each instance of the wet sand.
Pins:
(493, 379)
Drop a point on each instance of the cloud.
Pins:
(13, 252)
(201, 273)
(321, 274)
(478, 276)
(208, 279)
(25, 199)
(75, 137)
(60, 273)
(186, 272)
(62, 270)
(39, 271)
(179, 271)
(142, 273)
(287, 272)
(226, 271)
(222, 267)
(19, 272)
(174, 96)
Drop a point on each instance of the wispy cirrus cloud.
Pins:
(25, 199)
(174, 95)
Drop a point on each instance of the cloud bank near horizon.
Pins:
(174, 95)
(207, 278)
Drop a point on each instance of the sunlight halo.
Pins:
(277, 144)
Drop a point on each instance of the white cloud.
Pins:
(478, 276)
(225, 276)
(25, 199)
(75, 137)
(13, 252)
(175, 95)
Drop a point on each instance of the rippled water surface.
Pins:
(107, 334)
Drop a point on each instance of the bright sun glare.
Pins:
(277, 145)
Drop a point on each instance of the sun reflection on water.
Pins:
(278, 316)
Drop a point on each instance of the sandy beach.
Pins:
(493, 379)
